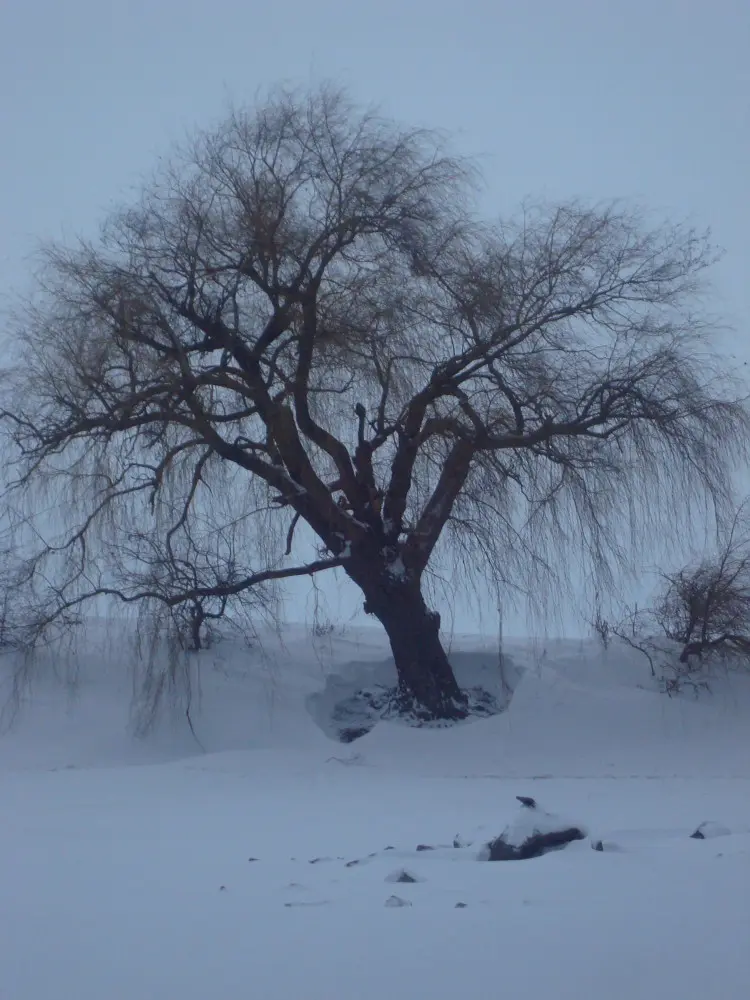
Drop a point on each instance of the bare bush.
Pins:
(700, 615)
(304, 311)
(635, 628)
(638, 629)
(706, 607)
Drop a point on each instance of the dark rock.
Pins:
(252, 859)
(534, 832)
(402, 875)
(405, 877)
(708, 830)
(460, 906)
(352, 864)
(389, 848)
(534, 846)
(607, 846)
(353, 733)
(424, 847)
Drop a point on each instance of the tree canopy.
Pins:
(304, 318)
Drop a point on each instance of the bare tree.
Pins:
(305, 303)
(706, 607)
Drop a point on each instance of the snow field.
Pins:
(125, 867)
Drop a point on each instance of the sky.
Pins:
(646, 101)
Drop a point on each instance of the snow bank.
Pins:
(575, 711)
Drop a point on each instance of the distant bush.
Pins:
(700, 615)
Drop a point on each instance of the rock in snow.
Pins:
(395, 901)
(709, 830)
(527, 801)
(605, 845)
(402, 875)
(535, 832)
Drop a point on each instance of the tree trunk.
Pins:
(196, 620)
(427, 684)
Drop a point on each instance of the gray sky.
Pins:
(644, 100)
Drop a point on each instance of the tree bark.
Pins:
(427, 684)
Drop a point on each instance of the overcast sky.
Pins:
(593, 98)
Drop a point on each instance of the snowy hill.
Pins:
(126, 870)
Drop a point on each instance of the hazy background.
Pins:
(557, 98)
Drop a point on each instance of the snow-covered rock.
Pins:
(709, 830)
(533, 833)
(605, 845)
(402, 875)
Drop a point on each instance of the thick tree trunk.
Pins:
(427, 684)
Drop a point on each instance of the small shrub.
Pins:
(699, 618)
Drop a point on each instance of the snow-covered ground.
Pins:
(126, 871)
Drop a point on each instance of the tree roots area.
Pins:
(350, 707)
